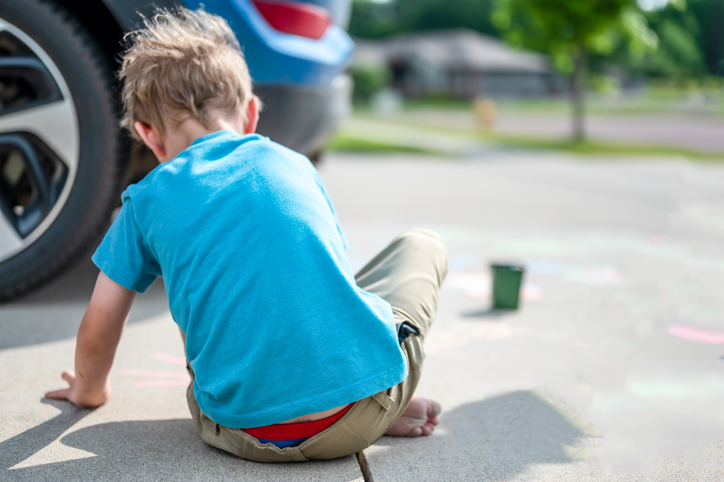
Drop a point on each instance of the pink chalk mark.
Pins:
(162, 383)
(531, 292)
(699, 335)
(170, 358)
(144, 373)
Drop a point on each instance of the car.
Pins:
(64, 160)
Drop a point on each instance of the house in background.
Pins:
(460, 63)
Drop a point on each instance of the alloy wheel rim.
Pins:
(39, 141)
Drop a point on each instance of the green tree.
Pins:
(374, 19)
(678, 55)
(369, 80)
(709, 14)
(570, 30)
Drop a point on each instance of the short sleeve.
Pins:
(124, 256)
(345, 244)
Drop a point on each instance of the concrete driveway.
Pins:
(612, 370)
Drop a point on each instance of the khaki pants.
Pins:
(407, 274)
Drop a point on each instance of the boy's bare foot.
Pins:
(419, 418)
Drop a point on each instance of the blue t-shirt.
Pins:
(252, 256)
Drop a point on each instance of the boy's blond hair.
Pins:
(181, 63)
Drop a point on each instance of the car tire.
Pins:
(62, 156)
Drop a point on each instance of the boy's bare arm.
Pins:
(98, 337)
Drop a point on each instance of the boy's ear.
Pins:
(150, 136)
(252, 115)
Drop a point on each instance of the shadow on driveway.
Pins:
(18, 448)
(153, 450)
(493, 439)
(488, 313)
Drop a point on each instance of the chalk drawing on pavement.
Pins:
(697, 334)
(605, 274)
(164, 379)
(177, 360)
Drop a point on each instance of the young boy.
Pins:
(291, 356)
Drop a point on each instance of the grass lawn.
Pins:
(350, 140)
(346, 142)
(597, 148)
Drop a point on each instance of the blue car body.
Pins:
(279, 58)
(301, 81)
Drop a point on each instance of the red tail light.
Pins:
(294, 17)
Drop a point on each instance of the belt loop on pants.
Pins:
(384, 400)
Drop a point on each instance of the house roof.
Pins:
(451, 50)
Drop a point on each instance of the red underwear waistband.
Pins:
(294, 431)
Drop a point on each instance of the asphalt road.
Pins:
(612, 370)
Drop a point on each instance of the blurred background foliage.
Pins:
(571, 32)
(368, 80)
(689, 33)
(378, 19)
(608, 57)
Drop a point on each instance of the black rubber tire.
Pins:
(103, 150)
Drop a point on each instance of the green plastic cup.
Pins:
(507, 280)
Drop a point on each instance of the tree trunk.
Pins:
(578, 95)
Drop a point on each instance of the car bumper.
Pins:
(303, 117)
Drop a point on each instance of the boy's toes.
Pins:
(433, 409)
(419, 419)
